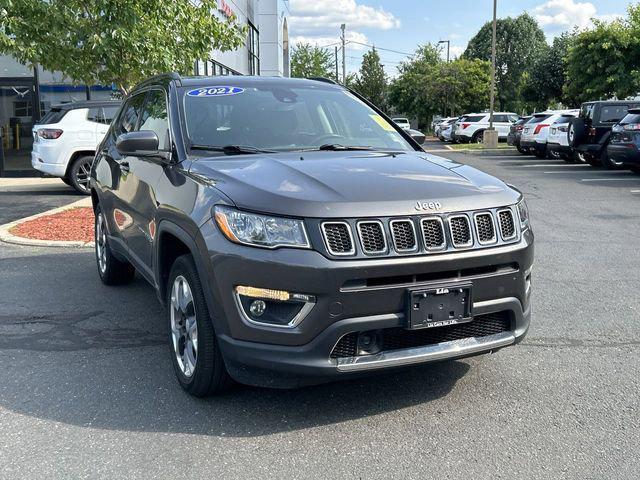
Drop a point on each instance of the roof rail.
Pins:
(161, 76)
(323, 79)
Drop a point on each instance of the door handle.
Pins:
(124, 166)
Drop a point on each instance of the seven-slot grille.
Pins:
(420, 234)
(507, 225)
(460, 231)
(338, 238)
(404, 235)
(372, 237)
(433, 233)
(484, 228)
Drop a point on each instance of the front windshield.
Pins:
(284, 118)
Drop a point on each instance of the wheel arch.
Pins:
(77, 154)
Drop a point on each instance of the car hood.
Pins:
(351, 184)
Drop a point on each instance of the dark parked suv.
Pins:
(296, 235)
(515, 134)
(624, 147)
(590, 133)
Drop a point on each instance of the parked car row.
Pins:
(471, 127)
(601, 133)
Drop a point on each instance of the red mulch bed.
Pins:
(75, 224)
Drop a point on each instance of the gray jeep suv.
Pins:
(296, 235)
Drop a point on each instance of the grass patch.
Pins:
(478, 146)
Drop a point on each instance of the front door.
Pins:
(17, 116)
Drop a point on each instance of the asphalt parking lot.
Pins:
(87, 390)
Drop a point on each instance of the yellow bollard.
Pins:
(17, 136)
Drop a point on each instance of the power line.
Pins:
(381, 48)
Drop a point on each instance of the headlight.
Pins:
(523, 213)
(261, 230)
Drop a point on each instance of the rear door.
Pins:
(100, 118)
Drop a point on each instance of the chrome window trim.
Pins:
(493, 222)
(513, 219)
(326, 242)
(393, 237)
(453, 243)
(444, 234)
(384, 237)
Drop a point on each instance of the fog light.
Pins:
(275, 308)
(368, 343)
(257, 308)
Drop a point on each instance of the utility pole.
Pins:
(336, 64)
(344, 61)
(448, 42)
(491, 136)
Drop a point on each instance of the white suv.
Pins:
(402, 122)
(558, 138)
(471, 127)
(536, 131)
(65, 140)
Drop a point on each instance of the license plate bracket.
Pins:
(438, 306)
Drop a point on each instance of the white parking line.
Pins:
(635, 192)
(622, 179)
(565, 165)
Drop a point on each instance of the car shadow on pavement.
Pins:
(102, 361)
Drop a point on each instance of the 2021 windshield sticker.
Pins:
(214, 91)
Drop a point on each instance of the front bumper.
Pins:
(353, 296)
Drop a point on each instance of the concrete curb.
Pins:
(7, 237)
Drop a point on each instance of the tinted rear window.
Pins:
(613, 113)
(563, 119)
(538, 119)
(53, 116)
(631, 118)
(473, 118)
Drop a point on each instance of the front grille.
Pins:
(337, 235)
(460, 231)
(372, 237)
(507, 225)
(404, 235)
(433, 233)
(400, 338)
(484, 228)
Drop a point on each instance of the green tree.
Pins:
(520, 42)
(311, 61)
(547, 77)
(114, 41)
(371, 82)
(408, 92)
(463, 85)
(603, 61)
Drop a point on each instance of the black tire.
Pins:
(541, 153)
(478, 137)
(209, 374)
(635, 169)
(523, 150)
(112, 271)
(607, 162)
(577, 132)
(79, 173)
(593, 160)
(567, 157)
(579, 157)
(67, 181)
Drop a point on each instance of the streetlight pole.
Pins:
(344, 62)
(448, 42)
(491, 136)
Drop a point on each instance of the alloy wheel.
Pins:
(184, 327)
(101, 243)
(83, 175)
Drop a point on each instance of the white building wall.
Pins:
(272, 18)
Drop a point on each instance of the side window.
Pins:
(154, 117)
(102, 115)
(129, 116)
(613, 114)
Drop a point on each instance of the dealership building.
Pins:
(26, 94)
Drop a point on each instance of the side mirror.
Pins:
(143, 143)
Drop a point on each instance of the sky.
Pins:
(402, 25)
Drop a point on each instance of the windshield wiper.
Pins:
(339, 147)
(231, 149)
